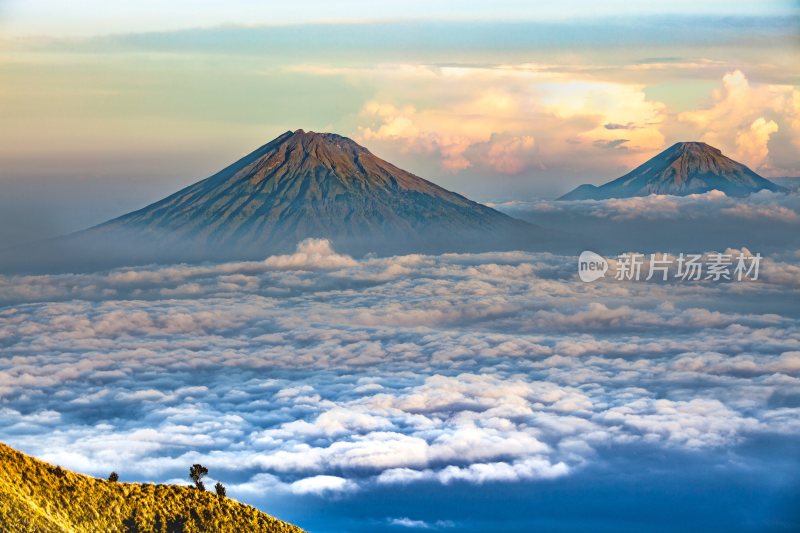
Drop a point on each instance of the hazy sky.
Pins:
(92, 17)
(107, 108)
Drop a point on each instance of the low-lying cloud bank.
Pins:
(315, 374)
(762, 205)
(762, 222)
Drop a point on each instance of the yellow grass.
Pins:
(39, 497)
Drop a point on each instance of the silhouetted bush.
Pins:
(113, 477)
(220, 488)
(196, 473)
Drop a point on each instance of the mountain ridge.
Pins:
(36, 496)
(682, 169)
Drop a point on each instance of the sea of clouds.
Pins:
(319, 374)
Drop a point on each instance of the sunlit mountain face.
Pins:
(305, 185)
(408, 323)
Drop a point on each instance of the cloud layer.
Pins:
(316, 375)
(760, 207)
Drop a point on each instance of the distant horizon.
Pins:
(148, 192)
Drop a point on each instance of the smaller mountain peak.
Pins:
(691, 167)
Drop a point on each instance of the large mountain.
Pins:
(36, 496)
(683, 168)
(305, 184)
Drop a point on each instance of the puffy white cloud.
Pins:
(743, 117)
(482, 141)
(540, 113)
(609, 104)
(533, 468)
(508, 156)
(420, 524)
(322, 485)
(696, 423)
(752, 142)
(311, 254)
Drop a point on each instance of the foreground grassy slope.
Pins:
(36, 496)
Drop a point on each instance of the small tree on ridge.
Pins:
(196, 473)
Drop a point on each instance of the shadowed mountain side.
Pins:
(300, 185)
(36, 496)
(682, 169)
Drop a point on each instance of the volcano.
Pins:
(683, 168)
(306, 185)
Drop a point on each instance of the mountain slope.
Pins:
(682, 169)
(306, 184)
(36, 496)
